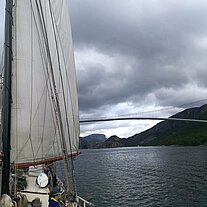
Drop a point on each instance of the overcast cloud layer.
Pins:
(138, 55)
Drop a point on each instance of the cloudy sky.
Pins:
(138, 58)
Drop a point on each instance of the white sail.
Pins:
(44, 94)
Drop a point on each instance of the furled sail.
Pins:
(44, 116)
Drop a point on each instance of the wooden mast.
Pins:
(6, 109)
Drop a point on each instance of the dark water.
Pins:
(143, 176)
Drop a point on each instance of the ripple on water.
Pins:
(143, 176)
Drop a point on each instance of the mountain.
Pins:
(111, 142)
(175, 132)
(166, 132)
(90, 140)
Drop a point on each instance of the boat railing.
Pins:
(83, 203)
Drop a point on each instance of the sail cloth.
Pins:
(44, 119)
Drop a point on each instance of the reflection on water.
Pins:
(143, 176)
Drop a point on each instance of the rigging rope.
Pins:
(47, 58)
(55, 30)
(55, 100)
(31, 85)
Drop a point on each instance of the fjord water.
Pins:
(143, 176)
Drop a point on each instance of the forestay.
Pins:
(44, 117)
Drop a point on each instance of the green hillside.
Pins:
(189, 134)
(175, 132)
(165, 133)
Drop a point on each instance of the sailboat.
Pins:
(39, 119)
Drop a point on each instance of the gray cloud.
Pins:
(146, 29)
(157, 47)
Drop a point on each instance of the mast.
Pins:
(6, 109)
